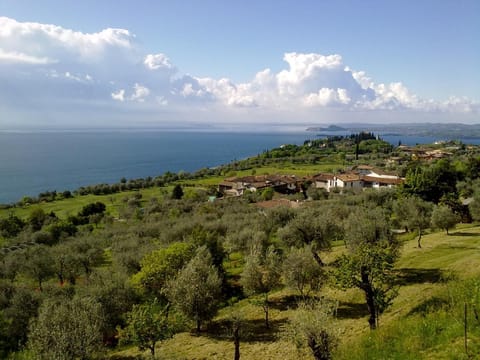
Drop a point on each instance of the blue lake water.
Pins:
(32, 162)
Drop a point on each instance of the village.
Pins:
(358, 178)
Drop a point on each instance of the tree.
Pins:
(22, 307)
(92, 209)
(148, 324)
(444, 218)
(67, 329)
(267, 194)
(235, 322)
(312, 326)
(88, 253)
(301, 272)
(11, 226)
(474, 206)
(369, 261)
(66, 264)
(431, 183)
(413, 213)
(312, 227)
(261, 274)
(196, 290)
(160, 266)
(37, 218)
(112, 290)
(39, 264)
(177, 192)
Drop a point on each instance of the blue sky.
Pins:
(327, 61)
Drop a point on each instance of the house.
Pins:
(357, 178)
(287, 184)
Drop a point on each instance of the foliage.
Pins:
(413, 213)
(431, 183)
(92, 209)
(21, 307)
(67, 329)
(301, 272)
(196, 290)
(313, 227)
(177, 192)
(38, 264)
(261, 274)
(159, 266)
(148, 324)
(369, 262)
(11, 226)
(312, 327)
(444, 218)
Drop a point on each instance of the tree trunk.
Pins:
(369, 297)
(419, 238)
(320, 351)
(199, 323)
(236, 342)
(317, 258)
(265, 309)
(152, 350)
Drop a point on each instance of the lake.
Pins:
(32, 162)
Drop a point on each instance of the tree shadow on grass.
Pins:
(409, 276)
(461, 233)
(350, 310)
(251, 330)
(290, 302)
(428, 306)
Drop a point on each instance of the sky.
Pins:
(122, 63)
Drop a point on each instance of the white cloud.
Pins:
(157, 61)
(119, 95)
(140, 92)
(21, 58)
(50, 67)
(326, 97)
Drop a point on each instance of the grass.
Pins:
(423, 323)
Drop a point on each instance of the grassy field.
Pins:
(425, 275)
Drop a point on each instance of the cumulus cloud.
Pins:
(140, 92)
(157, 61)
(21, 58)
(58, 66)
(119, 95)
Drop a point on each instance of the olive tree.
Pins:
(161, 265)
(261, 274)
(444, 218)
(313, 227)
(67, 329)
(369, 261)
(301, 272)
(413, 213)
(196, 290)
(148, 324)
(312, 327)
